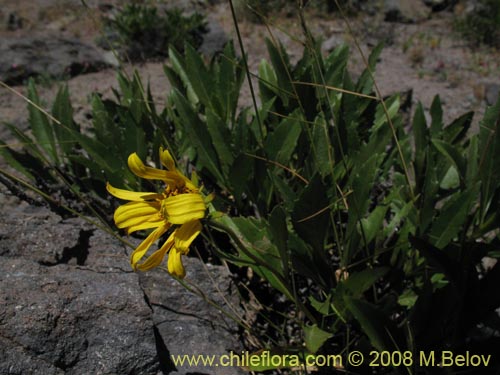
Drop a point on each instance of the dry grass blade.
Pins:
(336, 89)
(247, 71)
(319, 212)
(305, 181)
(30, 102)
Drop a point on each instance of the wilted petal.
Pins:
(175, 266)
(186, 234)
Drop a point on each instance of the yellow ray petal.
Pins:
(146, 244)
(132, 195)
(184, 207)
(175, 266)
(139, 169)
(134, 213)
(150, 223)
(186, 234)
(189, 184)
(157, 257)
(167, 160)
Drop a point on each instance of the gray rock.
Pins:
(214, 39)
(405, 11)
(186, 325)
(71, 303)
(332, 42)
(50, 56)
(491, 93)
(111, 59)
(186, 5)
(69, 300)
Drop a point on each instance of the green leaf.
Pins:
(322, 307)
(401, 213)
(436, 116)
(267, 75)
(359, 282)
(101, 118)
(429, 194)
(452, 216)
(374, 323)
(281, 143)
(310, 263)
(281, 66)
(451, 179)
(438, 260)
(286, 192)
(229, 79)
(267, 82)
(335, 67)
(220, 136)
(240, 172)
(421, 138)
(472, 160)
(178, 66)
(26, 141)
(174, 78)
(315, 337)
(310, 214)
(134, 139)
(392, 105)
(363, 175)
(197, 133)
(489, 146)
(279, 232)
(14, 160)
(365, 82)
(132, 95)
(456, 131)
(259, 252)
(372, 224)
(96, 172)
(439, 281)
(39, 123)
(452, 153)
(199, 77)
(320, 147)
(98, 152)
(63, 111)
(408, 298)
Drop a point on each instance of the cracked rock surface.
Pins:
(72, 305)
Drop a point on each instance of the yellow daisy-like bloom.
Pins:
(180, 207)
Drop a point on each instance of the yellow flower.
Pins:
(179, 207)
